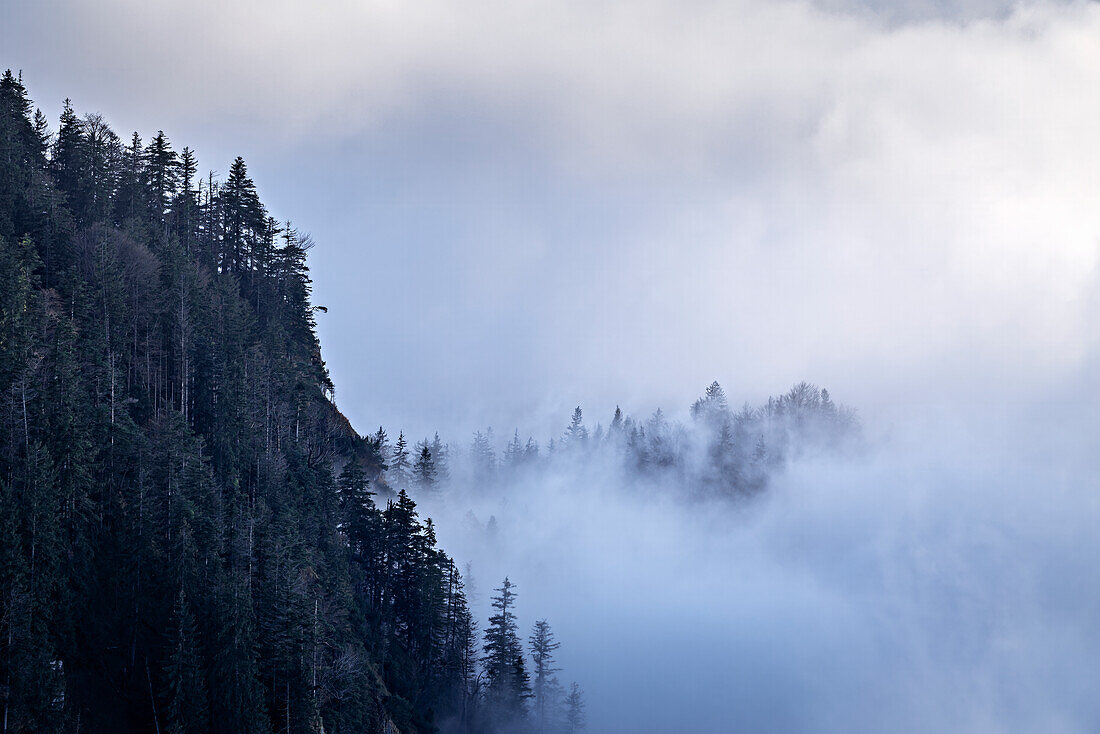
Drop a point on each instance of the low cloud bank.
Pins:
(942, 580)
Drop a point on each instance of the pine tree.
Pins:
(543, 646)
(513, 453)
(617, 420)
(244, 218)
(399, 462)
(574, 710)
(131, 202)
(441, 456)
(69, 162)
(187, 707)
(483, 457)
(712, 410)
(237, 703)
(185, 206)
(379, 446)
(42, 134)
(508, 687)
(164, 174)
(424, 471)
(576, 435)
(359, 519)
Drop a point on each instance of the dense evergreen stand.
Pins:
(188, 536)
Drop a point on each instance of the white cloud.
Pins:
(753, 191)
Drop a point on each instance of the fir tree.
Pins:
(399, 462)
(508, 687)
(441, 456)
(483, 457)
(576, 435)
(543, 646)
(424, 471)
(574, 710)
(164, 174)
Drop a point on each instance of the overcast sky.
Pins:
(522, 206)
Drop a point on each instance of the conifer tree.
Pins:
(399, 462)
(543, 646)
(358, 514)
(185, 696)
(424, 471)
(483, 457)
(131, 202)
(575, 720)
(441, 456)
(42, 134)
(379, 445)
(164, 174)
(576, 435)
(69, 161)
(513, 453)
(507, 684)
(185, 206)
(244, 217)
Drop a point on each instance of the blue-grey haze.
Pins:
(519, 208)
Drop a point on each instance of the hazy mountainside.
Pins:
(720, 453)
(187, 536)
(189, 540)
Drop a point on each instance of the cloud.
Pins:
(761, 192)
(524, 206)
(940, 581)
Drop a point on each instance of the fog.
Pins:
(522, 207)
(939, 578)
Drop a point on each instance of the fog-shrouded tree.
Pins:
(575, 719)
(399, 465)
(378, 444)
(507, 682)
(513, 452)
(483, 458)
(712, 409)
(576, 435)
(441, 455)
(424, 472)
(543, 647)
(719, 453)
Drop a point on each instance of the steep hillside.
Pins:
(187, 538)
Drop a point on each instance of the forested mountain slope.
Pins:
(187, 538)
(189, 534)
